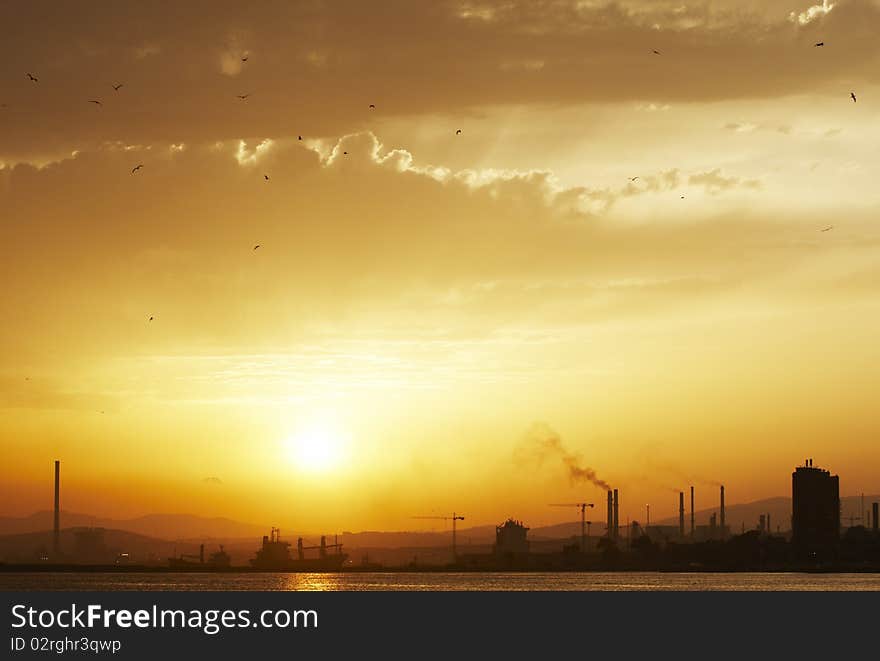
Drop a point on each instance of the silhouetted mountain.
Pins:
(29, 546)
(163, 526)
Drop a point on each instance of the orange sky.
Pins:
(421, 300)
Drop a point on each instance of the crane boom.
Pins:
(455, 517)
(583, 508)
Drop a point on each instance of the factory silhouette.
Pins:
(814, 541)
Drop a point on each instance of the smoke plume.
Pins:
(542, 443)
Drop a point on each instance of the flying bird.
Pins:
(266, 177)
(372, 106)
(256, 246)
(116, 88)
(245, 58)
(299, 137)
(826, 229)
(345, 153)
(243, 97)
(33, 78)
(656, 52)
(137, 167)
(852, 95)
(633, 178)
(97, 103)
(682, 197)
(151, 318)
(458, 132)
(818, 43)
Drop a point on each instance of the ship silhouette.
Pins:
(217, 560)
(274, 555)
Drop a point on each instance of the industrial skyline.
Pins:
(816, 538)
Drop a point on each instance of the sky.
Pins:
(662, 267)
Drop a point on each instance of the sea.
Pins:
(439, 581)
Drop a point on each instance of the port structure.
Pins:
(455, 517)
(583, 507)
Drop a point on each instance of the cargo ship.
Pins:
(274, 555)
(218, 560)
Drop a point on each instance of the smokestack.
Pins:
(769, 529)
(610, 524)
(692, 511)
(722, 512)
(56, 540)
(681, 514)
(874, 513)
(202, 553)
(616, 519)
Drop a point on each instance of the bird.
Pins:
(852, 95)
(372, 106)
(826, 229)
(256, 246)
(818, 43)
(299, 137)
(245, 58)
(458, 132)
(33, 78)
(633, 178)
(151, 318)
(682, 197)
(243, 97)
(656, 52)
(97, 103)
(137, 167)
(345, 153)
(266, 177)
(117, 87)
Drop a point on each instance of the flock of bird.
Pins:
(244, 97)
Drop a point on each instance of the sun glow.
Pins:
(316, 448)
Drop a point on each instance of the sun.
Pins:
(316, 448)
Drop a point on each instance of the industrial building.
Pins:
(510, 538)
(815, 518)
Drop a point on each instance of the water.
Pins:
(421, 581)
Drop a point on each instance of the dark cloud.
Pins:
(313, 68)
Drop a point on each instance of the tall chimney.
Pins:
(616, 519)
(681, 514)
(874, 514)
(692, 511)
(769, 529)
(723, 533)
(610, 524)
(56, 539)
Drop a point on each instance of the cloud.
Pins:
(146, 50)
(741, 127)
(715, 182)
(232, 57)
(812, 13)
(246, 156)
(515, 54)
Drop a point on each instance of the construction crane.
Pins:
(583, 507)
(455, 517)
